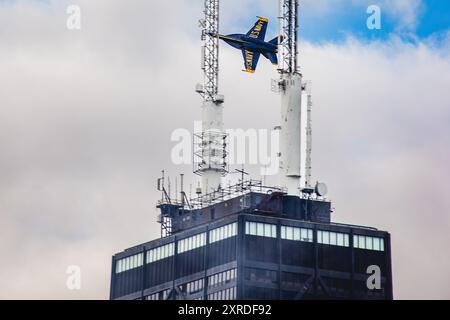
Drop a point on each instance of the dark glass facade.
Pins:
(253, 255)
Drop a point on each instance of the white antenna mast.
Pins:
(291, 98)
(210, 144)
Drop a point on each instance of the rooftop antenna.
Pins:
(243, 174)
(290, 85)
(169, 187)
(308, 160)
(210, 144)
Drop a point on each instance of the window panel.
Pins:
(283, 232)
(333, 238)
(296, 236)
(267, 230)
(290, 233)
(326, 237)
(340, 239)
(355, 241)
(304, 234)
(274, 231)
(376, 244)
(362, 242)
(253, 228)
(259, 229)
(369, 243)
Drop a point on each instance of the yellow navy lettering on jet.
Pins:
(249, 59)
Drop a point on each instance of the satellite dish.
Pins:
(321, 189)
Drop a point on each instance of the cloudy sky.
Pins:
(86, 118)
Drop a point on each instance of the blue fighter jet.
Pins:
(253, 45)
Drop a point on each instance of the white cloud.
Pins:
(406, 12)
(85, 123)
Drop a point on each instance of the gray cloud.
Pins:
(86, 118)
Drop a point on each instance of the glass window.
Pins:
(296, 236)
(326, 237)
(376, 244)
(362, 242)
(304, 234)
(382, 244)
(346, 240)
(340, 239)
(290, 233)
(310, 235)
(319, 237)
(253, 228)
(181, 246)
(274, 231)
(333, 238)
(197, 242)
(267, 230)
(369, 243)
(283, 232)
(355, 241)
(150, 256)
(259, 229)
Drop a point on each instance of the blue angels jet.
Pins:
(253, 45)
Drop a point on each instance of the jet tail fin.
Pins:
(277, 40)
(272, 57)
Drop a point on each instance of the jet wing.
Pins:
(259, 29)
(250, 60)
